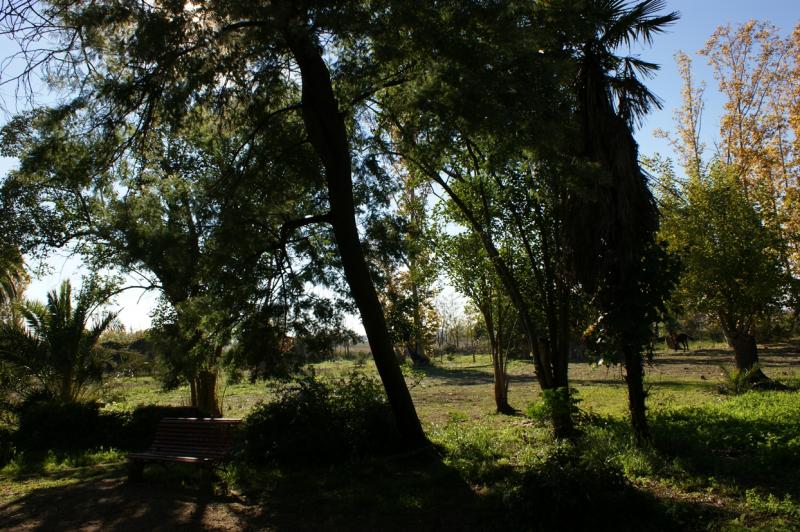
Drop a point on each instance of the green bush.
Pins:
(757, 433)
(312, 420)
(557, 401)
(48, 425)
(51, 425)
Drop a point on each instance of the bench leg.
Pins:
(135, 470)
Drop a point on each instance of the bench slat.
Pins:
(190, 440)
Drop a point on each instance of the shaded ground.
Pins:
(405, 494)
(112, 504)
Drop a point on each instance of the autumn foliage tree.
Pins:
(757, 70)
(733, 219)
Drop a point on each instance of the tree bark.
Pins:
(745, 350)
(634, 378)
(745, 353)
(205, 393)
(328, 135)
(500, 386)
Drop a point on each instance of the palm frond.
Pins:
(628, 24)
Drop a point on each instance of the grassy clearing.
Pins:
(719, 462)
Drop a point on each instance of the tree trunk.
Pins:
(328, 135)
(634, 377)
(745, 350)
(193, 393)
(205, 393)
(419, 340)
(500, 384)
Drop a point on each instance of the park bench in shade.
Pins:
(200, 441)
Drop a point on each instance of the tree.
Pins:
(194, 217)
(56, 349)
(757, 71)
(150, 63)
(731, 258)
(521, 187)
(12, 278)
(612, 217)
(471, 273)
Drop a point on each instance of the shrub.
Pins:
(47, 425)
(738, 381)
(561, 401)
(66, 426)
(321, 421)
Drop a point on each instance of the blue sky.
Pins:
(699, 19)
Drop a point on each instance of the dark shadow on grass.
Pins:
(752, 453)
(419, 492)
(461, 376)
(164, 502)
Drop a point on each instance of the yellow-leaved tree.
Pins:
(757, 70)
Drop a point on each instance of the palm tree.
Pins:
(54, 348)
(12, 274)
(614, 219)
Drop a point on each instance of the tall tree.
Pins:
(757, 70)
(612, 217)
(148, 63)
(471, 273)
(732, 267)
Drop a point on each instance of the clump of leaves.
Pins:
(558, 401)
(738, 381)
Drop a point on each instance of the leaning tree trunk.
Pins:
(550, 378)
(328, 135)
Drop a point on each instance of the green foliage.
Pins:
(565, 493)
(129, 353)
(12, 276)
(477, 453)
(555, 403)
(756, 433)
(315, 420)
(48, 425)
(771, 505)
(738, 381)
(55, 353)
(731, 259)
(62, 464)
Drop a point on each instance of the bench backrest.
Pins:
(195, 437)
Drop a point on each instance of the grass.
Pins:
(719, 462)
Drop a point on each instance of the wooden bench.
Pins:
(201, 441)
